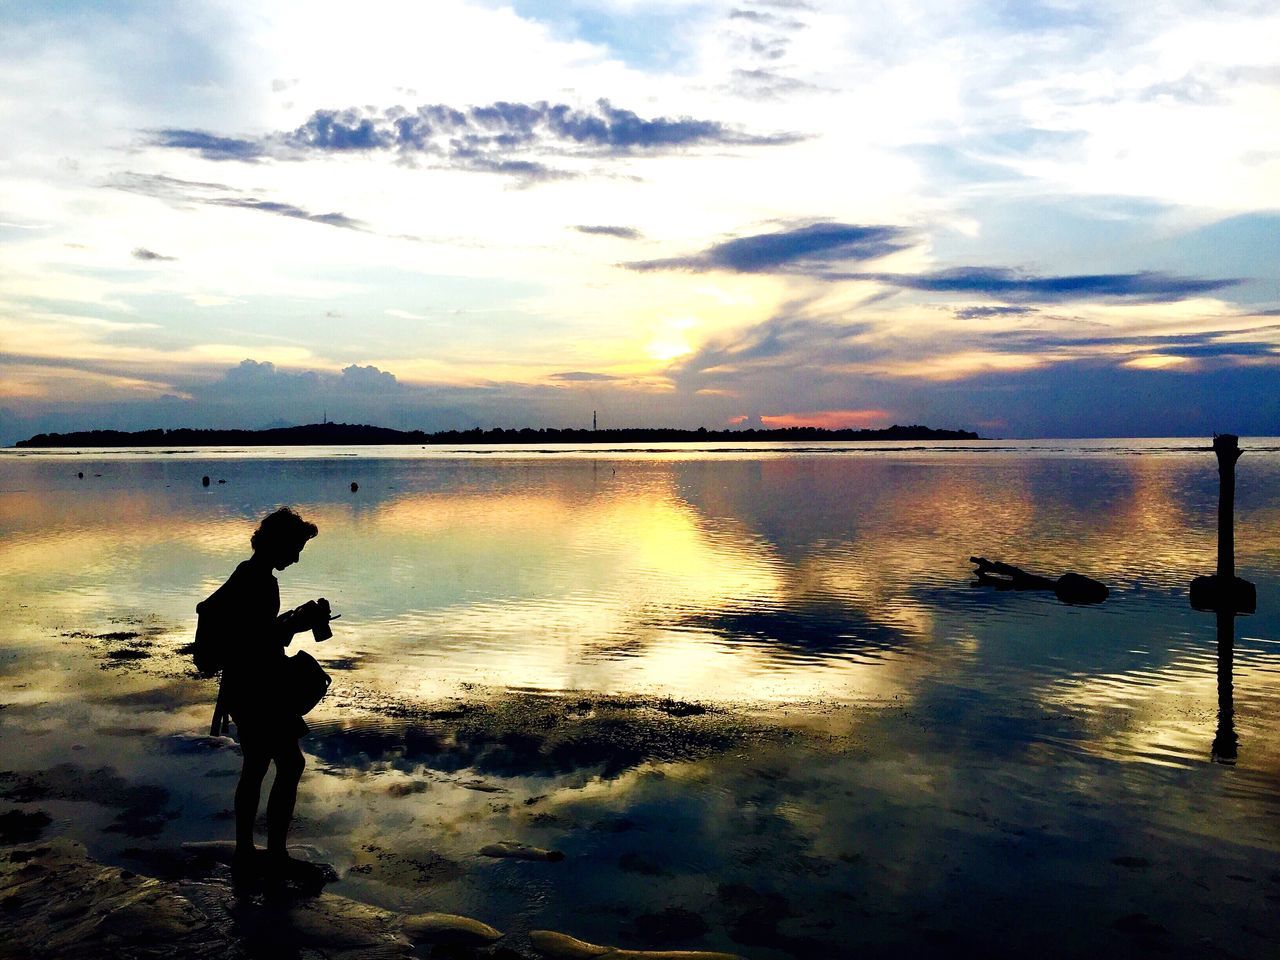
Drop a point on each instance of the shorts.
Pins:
(269, 733)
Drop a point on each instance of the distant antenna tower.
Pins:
(324, 415)
(593, 421)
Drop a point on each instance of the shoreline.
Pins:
(342, 434)
(59, 902)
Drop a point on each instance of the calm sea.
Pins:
(893, 757)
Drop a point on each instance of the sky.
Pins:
(1039, 219)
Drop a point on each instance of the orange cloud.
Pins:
(828, 419)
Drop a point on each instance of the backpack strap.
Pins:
(219, 727)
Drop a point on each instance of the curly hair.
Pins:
(282, 528)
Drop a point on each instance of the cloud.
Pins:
(981, 313)
(142, 253)
(805, 248)
(368, 379)
(162, 187)
(581, 376)
(622, 233)
(603, 126)
(501, 137)
(263, 378)
(179, 192)
(760, 84)
(1260, 341)
(340, 131)
(288, 210)
(802, 360)
(1144, 287)
(826, 419)
(208, 145)
(253, 378)
(787, 351)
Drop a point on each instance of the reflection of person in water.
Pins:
(253, 679)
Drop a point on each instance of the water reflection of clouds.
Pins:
(766, 578)
(998, 745)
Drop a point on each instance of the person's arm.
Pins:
(291, 622)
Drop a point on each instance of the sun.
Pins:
(670, 340)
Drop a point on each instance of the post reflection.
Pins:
(1225, 740)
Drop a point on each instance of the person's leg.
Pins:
(284, 794)
(248, 790)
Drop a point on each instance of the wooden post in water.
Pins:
(1226, 448)
(1226, 595)
(1225, 592)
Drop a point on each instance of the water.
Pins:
(891, 757)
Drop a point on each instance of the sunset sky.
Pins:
(1026, 219)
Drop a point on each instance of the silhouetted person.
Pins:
(253, 678)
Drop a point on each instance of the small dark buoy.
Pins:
(354, 486)
(222, 481)
(204, 481)
(80, 474)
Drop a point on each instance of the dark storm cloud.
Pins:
(142, 253)
(622, 233)
(501, 137)
(582, 376)
(808, 248)
(1146, 286)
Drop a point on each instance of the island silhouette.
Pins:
(352, 434)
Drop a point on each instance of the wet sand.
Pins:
(59, 903)
(178, 899)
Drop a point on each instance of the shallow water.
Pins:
(893, 758)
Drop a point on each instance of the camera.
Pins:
(316, 613)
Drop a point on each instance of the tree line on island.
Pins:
(345, 434)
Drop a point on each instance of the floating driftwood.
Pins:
(1070, 587)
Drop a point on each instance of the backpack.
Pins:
(209, 649)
